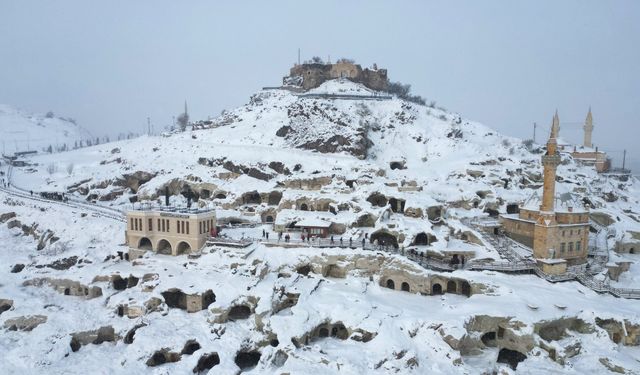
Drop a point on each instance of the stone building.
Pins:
(168, 231)
(312, 75)
(554, 226)
(586, 154)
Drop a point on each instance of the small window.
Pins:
(570, 247)
(150, 225)
(131, 223)
(562, 247)
(159, 230)
(564, 233)
(578, 245)
(187, 227)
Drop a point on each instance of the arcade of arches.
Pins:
(434, 286)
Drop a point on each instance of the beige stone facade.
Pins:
(598, 159)
(168, 231)
(559, 228)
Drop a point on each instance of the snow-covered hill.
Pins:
(24, 131)
(370, 165)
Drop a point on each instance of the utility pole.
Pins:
(624, 158)
(534, 132)
(148, 125)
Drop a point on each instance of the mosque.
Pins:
(555, 226)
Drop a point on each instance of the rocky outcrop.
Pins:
(176, 298)
(163, 356)
(134, 180)
(315, 183)
(61, 264)
(247, 359)
(43, 238)
(96, 337)
(24, 323)
(5, 305)
(206, 363)
(17, 268)
(66, 287)
(625, 332)
(7, 216)
(240, 309)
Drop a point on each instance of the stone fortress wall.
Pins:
(312, 75)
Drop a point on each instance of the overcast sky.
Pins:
(508, 64)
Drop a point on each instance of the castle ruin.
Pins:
(311, 75)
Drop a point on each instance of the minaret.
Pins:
(550, 162)
(588, 129)
(545, 239)
(185, 108)
(555, 126)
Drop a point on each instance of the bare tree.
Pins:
(70, 168)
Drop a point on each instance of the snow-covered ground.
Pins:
(23, 131)
(404, 322)
(278, 142)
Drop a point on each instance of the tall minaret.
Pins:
(588, 129)
(555, 126)
(550, 162)
(545, 232)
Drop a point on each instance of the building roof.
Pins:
(314, 223)
(551, 261)
(176, 210)
(563, 201)
(287, 216)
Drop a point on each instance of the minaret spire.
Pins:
(550, 162)
(555, 126)
(588, 129)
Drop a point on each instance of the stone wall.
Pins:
(313, 75)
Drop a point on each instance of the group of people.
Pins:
(308, 238)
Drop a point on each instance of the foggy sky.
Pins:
(507, 64)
